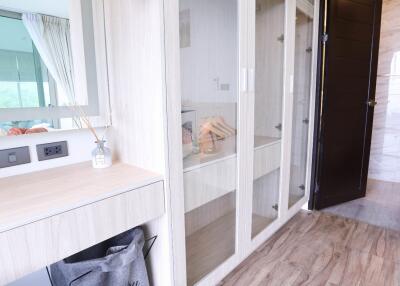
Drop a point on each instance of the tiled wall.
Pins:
(385, 149)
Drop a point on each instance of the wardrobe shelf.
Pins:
(264, 141)
(213, 179)
(30, 197)
(215, 239)
(228, 151)
(267, 157)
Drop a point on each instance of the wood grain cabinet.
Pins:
(49, 215)
(239, 74)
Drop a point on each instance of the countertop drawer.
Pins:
(29, 247)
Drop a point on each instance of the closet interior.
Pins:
(209, 68)
(301, 104)
(268, 111)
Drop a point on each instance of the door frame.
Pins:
(318, 105)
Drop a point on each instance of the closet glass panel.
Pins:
(301, 107)
(269, 61)
(209, 68)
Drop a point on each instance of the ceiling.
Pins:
(57, 8)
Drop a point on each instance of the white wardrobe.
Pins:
(240, 90)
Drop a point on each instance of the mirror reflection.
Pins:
(48, 65)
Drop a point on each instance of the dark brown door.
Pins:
(348, 85)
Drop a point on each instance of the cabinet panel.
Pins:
(301, 106)
(209, 182)
(267, 158)
(268, 111)
(30, 247)
(209, 60)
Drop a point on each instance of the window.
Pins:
(29, 95)
(24, 79)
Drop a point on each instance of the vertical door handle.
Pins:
(372, 103)
(243, 79)
(251, 80)
(291, 87)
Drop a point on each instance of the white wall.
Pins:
(212, 53)
(80, 145)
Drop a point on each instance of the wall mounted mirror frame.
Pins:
(89, 53)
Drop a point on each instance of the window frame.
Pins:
(94, 54)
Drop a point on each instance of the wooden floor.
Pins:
(316, 248)
(380, 207)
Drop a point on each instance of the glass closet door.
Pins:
(209, 88)
(301, 106)
(269, 62)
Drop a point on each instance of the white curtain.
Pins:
(51, 36)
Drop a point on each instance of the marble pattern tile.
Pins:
(380, 207)
(385, 147)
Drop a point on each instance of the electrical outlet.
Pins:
(52, 150)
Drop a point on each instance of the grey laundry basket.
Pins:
(117, 261)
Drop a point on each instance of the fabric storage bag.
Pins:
(117, 261)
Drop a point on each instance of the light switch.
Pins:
(224, 86)
(12, 157)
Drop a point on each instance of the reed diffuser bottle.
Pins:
(101, 155)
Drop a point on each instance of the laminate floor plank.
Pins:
(316, 248)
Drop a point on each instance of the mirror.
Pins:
(53, 72)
